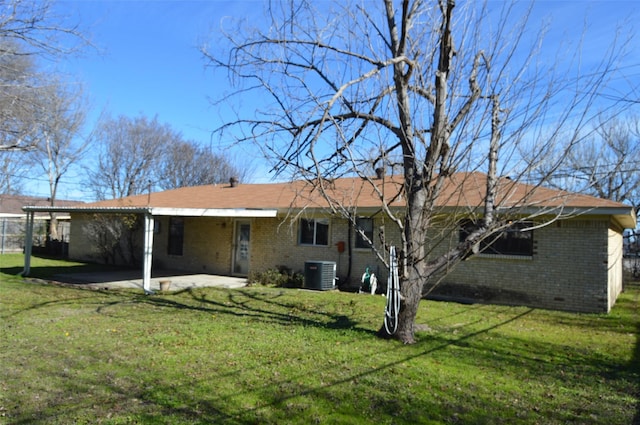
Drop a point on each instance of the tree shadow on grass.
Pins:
(293, 395)
(283, 393)
(635, 361)
(53, 273)
(158, 400)
(295, 392)
(636, 367)
(262, 306)
(266, 308)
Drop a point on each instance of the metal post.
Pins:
(28, 243)
(4, 232)
(148, 252)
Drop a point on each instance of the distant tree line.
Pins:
(605, 164)
(43, 122)
(137, 154)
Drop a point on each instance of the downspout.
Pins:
(349, 250)
(28, 243)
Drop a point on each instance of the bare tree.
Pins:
(137, 155)
(58, 142)
(20, 89)
(114, 238)
(187, 164)
(38, 28)
(28, 30)
(607, 164)
(14, 167)
(130, 151)
(417, 89)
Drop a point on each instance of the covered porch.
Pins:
(145, 281)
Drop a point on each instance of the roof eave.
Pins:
(87, 210)
(624, 216)
(214, 212)
(161, 211)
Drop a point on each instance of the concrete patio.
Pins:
(132, 279)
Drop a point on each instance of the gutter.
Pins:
(162, 211)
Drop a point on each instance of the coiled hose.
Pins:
(392, 309)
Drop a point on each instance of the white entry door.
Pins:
(242, 249)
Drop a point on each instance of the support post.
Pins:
(148, 252)
(4, 233)
(28, 243)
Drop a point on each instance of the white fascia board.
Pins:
(213, 212)
(162, 211)
(89, 210)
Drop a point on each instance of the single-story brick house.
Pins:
(570, 258)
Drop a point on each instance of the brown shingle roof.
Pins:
(12, 204)
(462, 189)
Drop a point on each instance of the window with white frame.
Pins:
(314, 232)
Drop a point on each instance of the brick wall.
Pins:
(275, 245)
(83, 248)
(569, 270)
(206, 249)
(80, 248)
(576, 265)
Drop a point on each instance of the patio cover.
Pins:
(148, 213)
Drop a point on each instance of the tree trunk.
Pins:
(411, 290)
(411, 295)
(422, 182)
(413, 264)
(53, 227)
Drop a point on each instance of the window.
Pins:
(364, 224)
(176, 235)
(314, 232)
(514, 240)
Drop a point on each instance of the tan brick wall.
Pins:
(206, 249)
(576, 265)
(207, 244)
(83, 248)
(569, 270)
(80, 248)
(275, 244)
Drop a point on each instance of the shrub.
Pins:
(282, 278)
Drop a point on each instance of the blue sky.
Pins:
(147, 59)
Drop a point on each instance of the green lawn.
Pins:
(275, 356)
